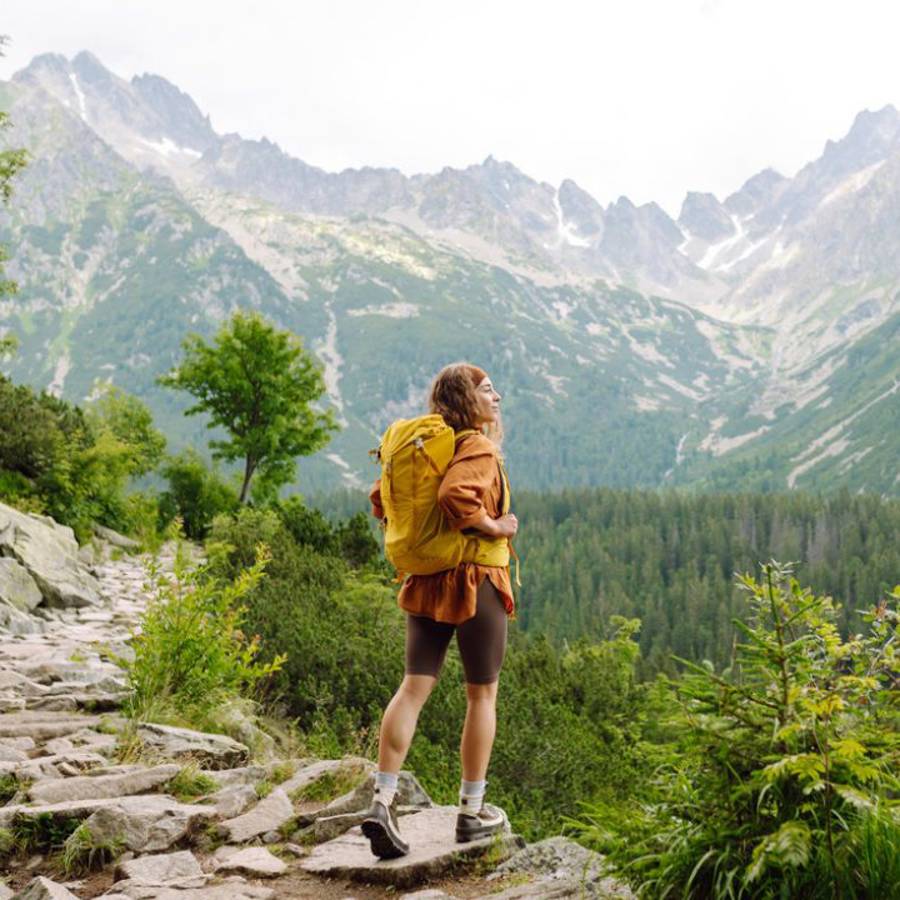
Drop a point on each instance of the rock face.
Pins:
(147, 824)
(562, 869)
(48, 552)
(212, 751)
(433, 851)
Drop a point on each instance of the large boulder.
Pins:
(17, 587)
(147, 824)
(49, 553)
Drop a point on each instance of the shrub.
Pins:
(785, 780)
(191, 654)
(196, 494)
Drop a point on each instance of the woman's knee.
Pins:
(417, 688)
(482, 693)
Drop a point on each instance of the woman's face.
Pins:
(487, 403)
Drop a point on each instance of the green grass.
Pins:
(190, 783)
(331, 784)
(83, 852)
(43, 832)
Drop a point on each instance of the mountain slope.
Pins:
(750, 342)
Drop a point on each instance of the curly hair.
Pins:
(453, 397)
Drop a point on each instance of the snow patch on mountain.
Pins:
(714, 251)
(391, 310)
(79, 96)
(566, 232)
(169, 149)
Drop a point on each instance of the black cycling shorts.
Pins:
(481, 640)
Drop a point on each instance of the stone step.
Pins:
(433, 851)
(99, 787)
(268, 815)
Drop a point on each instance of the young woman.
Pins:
(473, 601)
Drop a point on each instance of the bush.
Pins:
(784, 782)
(191, 655)
(196, 494)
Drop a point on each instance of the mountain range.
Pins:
(753, 342)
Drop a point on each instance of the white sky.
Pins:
(647, 98)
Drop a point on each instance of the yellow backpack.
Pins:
(418, 540)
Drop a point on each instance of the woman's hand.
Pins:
(506, 526)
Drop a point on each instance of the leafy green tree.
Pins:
(259, 384)
(129, 421)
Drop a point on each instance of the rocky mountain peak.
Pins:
(703, 216)
(181, 116)
(756, 192)
(872, 138)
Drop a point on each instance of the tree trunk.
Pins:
(249, 467)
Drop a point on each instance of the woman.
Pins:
(473, 601)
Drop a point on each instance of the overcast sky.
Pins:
(647, 98)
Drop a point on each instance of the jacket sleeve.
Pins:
(467, 480)
(375, 500)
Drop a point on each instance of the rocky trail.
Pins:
(93, 805)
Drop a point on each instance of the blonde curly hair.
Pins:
(453, 397)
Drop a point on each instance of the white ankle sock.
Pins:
(471, 797)
(385, 787)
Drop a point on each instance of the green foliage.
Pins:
(331, 784)
(669, 560)
(571, 724)
(258, 384)
(129, 421)
(196, 494)
(71, 464)
(43, 832)
(83, 852)
(192, 654)
(190, 783)
(784, 780)
(9, 787)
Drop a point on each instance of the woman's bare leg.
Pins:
(479, 730)
(398, 725)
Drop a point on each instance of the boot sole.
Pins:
(383, 845)
(475, 834)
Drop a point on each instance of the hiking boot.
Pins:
(472, 826)
(380, 827)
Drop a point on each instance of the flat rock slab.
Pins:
(43, 725)
(44, 889)
(257, 862)
(433, 850)
(85, 787)
(229, 890)
(160, 867)
(268, 815)
(211, 751)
